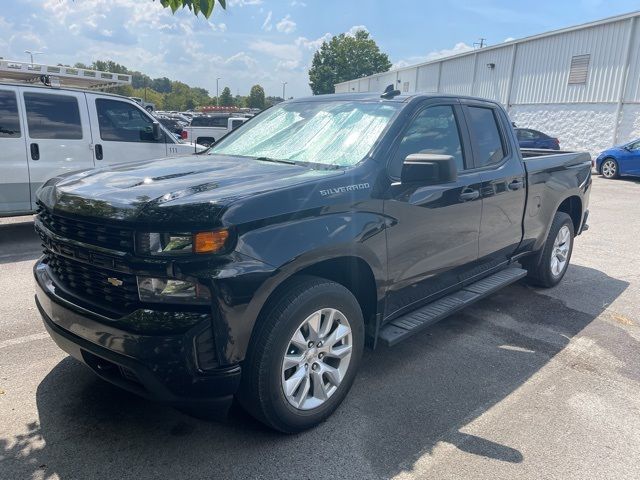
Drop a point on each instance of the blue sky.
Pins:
(270, 42)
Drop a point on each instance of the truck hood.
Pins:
(179, 190)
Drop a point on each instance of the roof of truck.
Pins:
(376, 96)
(63, 89)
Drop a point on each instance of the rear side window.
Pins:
(9, 119)
(434, 130)
(53, 116)
(123, 122)
(486, 134)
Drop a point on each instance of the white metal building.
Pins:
(581, 84)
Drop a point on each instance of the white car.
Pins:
(45, 132)
(206, 130)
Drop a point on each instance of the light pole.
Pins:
(32, 53)
(284, 84)
(217, 92)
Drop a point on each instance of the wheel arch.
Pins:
(572, 206)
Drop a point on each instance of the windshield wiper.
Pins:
(276, 160)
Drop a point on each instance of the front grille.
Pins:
(115, 238)
(114, 291)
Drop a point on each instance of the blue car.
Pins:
(528, 138)
(620, 160)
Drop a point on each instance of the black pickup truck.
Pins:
(261, 269)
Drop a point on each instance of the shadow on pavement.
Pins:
(19, 241)
(405, 401)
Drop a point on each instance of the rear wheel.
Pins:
(205, 141)
(304, 356)
(609, 168)
(548, 267)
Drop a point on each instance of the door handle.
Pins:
(98, 151)
(469, 194)
(516, 185)
(35, 151)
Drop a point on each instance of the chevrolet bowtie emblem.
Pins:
(116, 282)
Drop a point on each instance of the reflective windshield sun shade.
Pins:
(332, 133)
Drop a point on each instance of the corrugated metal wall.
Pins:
(542, 66)
(540, 69)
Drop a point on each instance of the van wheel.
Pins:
(304, 356)
(205, 142)
(548, 267)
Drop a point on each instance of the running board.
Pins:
(405, 326)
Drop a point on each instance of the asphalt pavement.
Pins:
(527, 384)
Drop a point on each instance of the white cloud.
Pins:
(282, 51)
(312, 45)
(297, 3)
(287, 64)
(267, 25)
(286, 25)
(509, 39)
(356, 28)
(242, 57)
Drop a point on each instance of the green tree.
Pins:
(226, 99)
(343, 58)
(162, 85)
(196, 6)
(256, 97)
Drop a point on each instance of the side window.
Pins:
(634, 146)
(485, 132)
(236, 123)
(219, 122)
(525, 135)
(434, 130)
(123, 122)
(9, 119)
(53, 116)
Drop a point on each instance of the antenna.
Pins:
(481, 43)
(390, 92)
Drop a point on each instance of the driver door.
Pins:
(434, 235)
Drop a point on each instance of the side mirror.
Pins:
(429, 168)
(156, 131)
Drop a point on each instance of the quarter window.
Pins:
(434, 130)
(53, 116)
(123, 122)
(485, 131)
(9, 119)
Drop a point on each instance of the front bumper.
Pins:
(158, 367)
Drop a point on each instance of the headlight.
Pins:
(166, 290)
(182, 243)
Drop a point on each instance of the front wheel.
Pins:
(609, 168)
(548, 267)
(304, 356)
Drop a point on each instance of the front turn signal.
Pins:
(210, 242)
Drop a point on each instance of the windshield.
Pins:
(331, 133)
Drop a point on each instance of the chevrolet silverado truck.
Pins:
(261, 269)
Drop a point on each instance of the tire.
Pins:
(206, 141)
(264, 378)
(543, 271)
(609, 168)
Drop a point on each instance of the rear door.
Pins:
(123, 131)
(14, 169)
(434, 234)
(58, 134)
(503, 181)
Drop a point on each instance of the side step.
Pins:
(405, 326)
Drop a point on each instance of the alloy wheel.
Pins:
(316, 359)
(560, 253)
(609, 168)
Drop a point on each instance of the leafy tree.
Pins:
(343, 58)
(162, 85)
(196, 6)
(271, 101)
(256, 97)
(225, 100)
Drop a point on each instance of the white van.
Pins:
(47, 131)
(208, 129)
